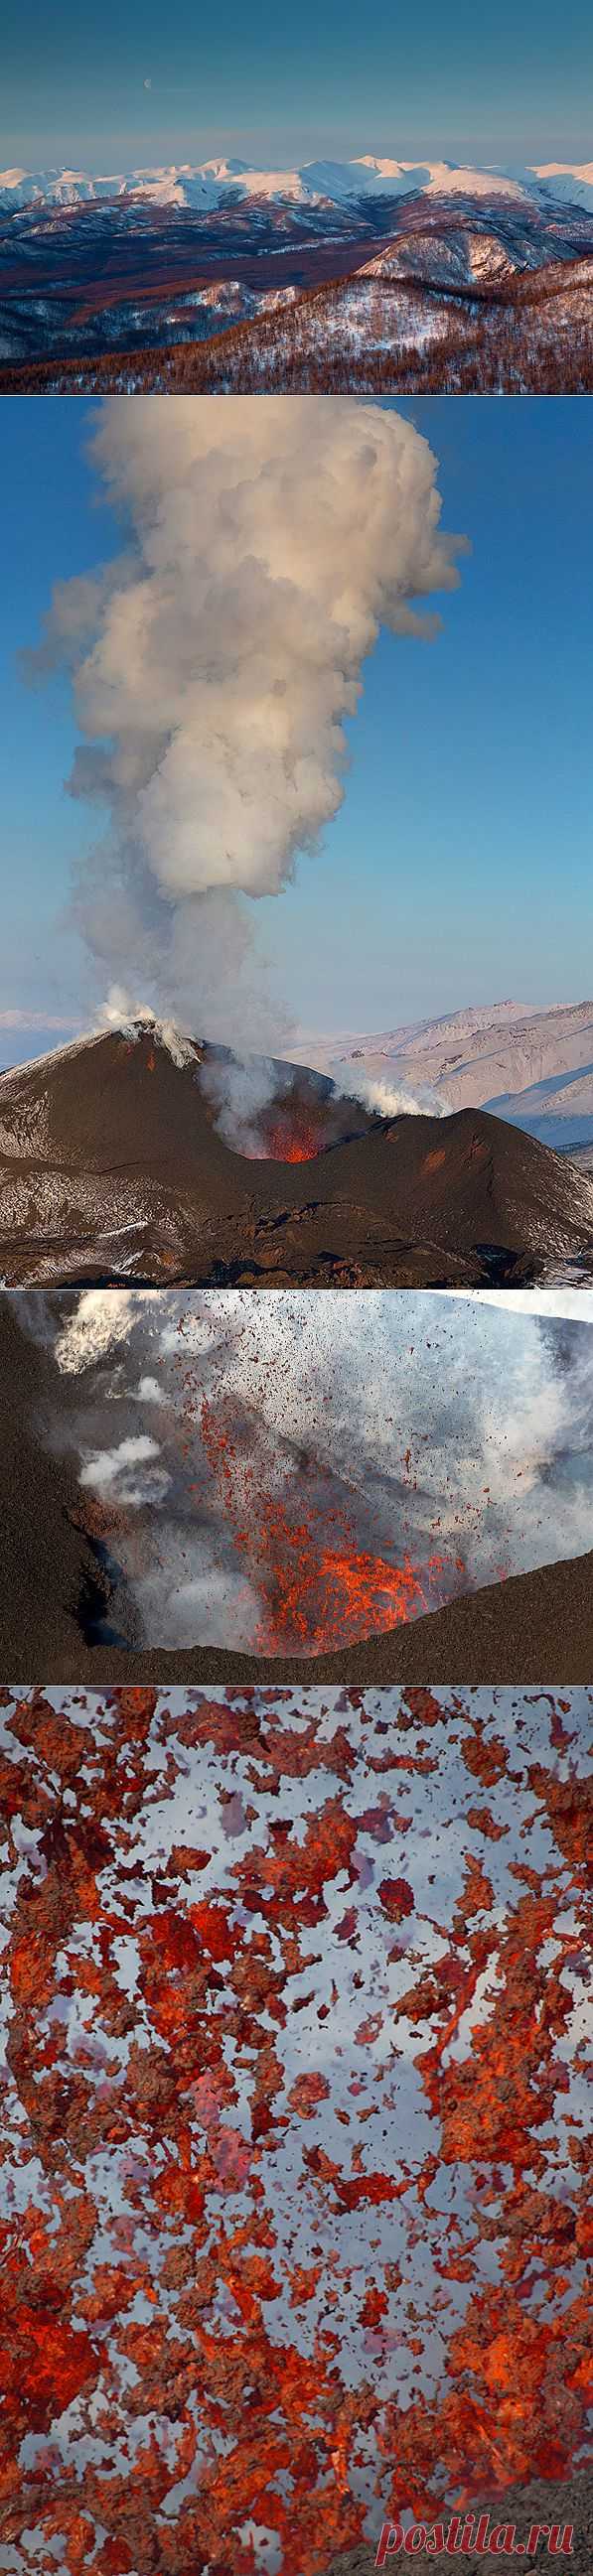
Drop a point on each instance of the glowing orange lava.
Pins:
(318, 1590)
(326, 1596)
(177, 2161)
(289, 1140)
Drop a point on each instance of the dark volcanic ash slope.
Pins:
(112, 1169)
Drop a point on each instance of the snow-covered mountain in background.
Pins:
(209, 184)
(369, 275)
(532, 1067)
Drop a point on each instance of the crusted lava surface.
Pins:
(112, 1169)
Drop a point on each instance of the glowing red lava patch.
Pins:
(293, 2186)
(288, 1138)
(317, 1588)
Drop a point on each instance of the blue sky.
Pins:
(459, 867)
(502, 80)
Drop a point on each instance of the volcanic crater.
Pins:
(68, 1602)
(135, 1155)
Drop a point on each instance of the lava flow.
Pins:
(318, 1589)
(287, 1142)
(289, 1136)
(317, 1596)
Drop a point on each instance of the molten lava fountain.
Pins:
(319, 1590)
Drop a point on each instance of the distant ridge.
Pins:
(532, 1066)
(210, 183)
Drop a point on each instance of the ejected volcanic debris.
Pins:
(294, 2142)
(205, 1485)
(128, 1156)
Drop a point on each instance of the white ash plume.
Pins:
(128, 1474)
(239, 1093)
(215, 662)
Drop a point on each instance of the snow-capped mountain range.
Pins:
(209, 184)
(532, 1067)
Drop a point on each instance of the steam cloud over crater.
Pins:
(215, 661)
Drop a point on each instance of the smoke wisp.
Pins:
(389, 1099)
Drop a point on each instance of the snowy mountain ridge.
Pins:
(534, 1067)
(208, 184)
